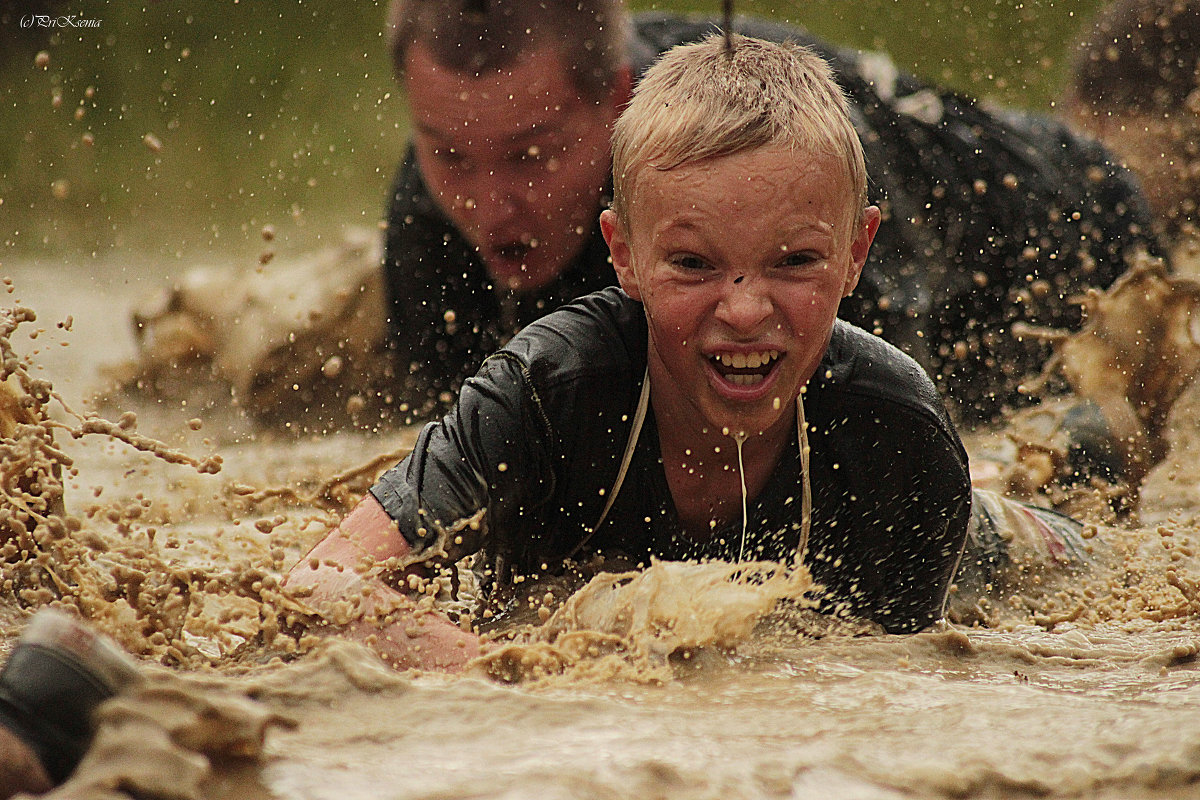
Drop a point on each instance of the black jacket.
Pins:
(537, 436)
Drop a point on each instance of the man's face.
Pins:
(516, 158)
(741, 262)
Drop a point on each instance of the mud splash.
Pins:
(638, 626)
(107, 561)
(688, 684)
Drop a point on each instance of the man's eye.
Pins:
(448, 156)
(531, 154)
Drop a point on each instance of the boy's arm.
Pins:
(397, 626)
(490, 453)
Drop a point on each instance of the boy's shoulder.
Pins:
(860, 363)
(599, 336)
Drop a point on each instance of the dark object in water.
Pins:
(59, 673)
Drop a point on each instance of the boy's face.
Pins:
(741, 263)
(516, 159)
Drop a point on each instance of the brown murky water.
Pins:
(1089, 686)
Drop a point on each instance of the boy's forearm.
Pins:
(337, 580)
(366, 535)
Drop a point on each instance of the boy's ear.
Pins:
(864, 234)
(622, 257)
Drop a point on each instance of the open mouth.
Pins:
(745, 369)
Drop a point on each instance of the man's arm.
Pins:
(338, 579)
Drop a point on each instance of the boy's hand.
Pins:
(411, 638)
(391, 623)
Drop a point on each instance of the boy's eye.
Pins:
(690, 263)
(800, 259)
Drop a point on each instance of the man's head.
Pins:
(740, 223)
(512, 102)
(1135, 86)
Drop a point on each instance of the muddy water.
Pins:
(1086, 686)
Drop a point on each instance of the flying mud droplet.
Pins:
(332, 367)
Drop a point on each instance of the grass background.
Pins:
(179, 129)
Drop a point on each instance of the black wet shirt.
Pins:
(537, 437)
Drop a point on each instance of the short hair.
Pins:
(476, 36)
(703, 100)
(1142, 55)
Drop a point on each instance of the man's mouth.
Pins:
(745, 369)
(513, 252)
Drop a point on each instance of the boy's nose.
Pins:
(743, 306)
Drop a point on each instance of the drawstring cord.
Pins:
(639, 417)
(806, 482)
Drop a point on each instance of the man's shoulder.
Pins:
(418, 234)
(598, 337)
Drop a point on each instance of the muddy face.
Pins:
(740, 262)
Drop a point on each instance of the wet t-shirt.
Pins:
(537, 437)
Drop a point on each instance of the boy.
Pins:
(712, 409)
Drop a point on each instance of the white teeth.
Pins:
(745, 380)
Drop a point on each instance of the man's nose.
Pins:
(745, 305)
(490, 197)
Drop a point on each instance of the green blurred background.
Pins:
(179, 129)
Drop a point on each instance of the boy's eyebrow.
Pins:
(685, 221)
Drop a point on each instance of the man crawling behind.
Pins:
(712, 407)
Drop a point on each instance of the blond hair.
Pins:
(703, 101)
(475, 36)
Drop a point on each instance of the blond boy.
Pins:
(628, 423)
